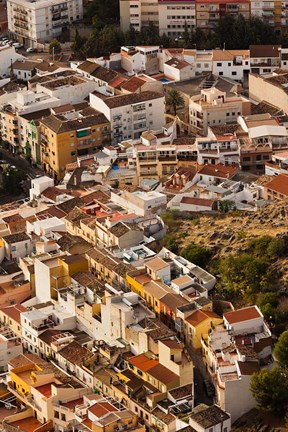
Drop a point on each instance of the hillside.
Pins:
(230, 233)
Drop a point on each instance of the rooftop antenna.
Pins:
(224, 45)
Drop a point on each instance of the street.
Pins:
(200, 374)
(20, 163)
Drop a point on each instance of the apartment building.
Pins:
(273, 87)
(232, 352)
(68, 133)
(131, 114)
(264, 58)
(213, 107)
(135, 59)
(37, 22)
(208, 12)
(169, 17)
(233, 64)
(273, 13)
(155, 161)
(222, 149)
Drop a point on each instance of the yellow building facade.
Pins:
(74, 133)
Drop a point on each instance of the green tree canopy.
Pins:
(55, 47)
(281, 350)
(197, 255)
(270, 389)
(175, 100)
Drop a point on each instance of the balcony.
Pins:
(148, 158)
(167, 158)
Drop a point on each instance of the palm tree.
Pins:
(175, 100)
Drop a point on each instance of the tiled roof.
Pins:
(132, 98)
(60, 124)
(218, 170)
(279, 184)
(178, 64)
(143, 362)
(162, 374)
(156, 264)
(209, 417)
(197, 201)
(240, 315)
(14, 311)
(133, 84)
(262, 51)
(15, 238)
(74, 353)
(199, 316)
(101, 408)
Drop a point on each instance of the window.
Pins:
(246, 159)
(234, 73)
(219, 64)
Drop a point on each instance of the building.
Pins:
(232, 353)
(272, 86)
(198, 324)
(17, 246)
(213, 107)
(265, 58)
(33, 23)
(233, 64)
(277, 188)
(169, 18)
(10, 347)
(210, 419)
(208, 12)
(68, 133)
(131, 114)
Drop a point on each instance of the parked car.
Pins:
(17, 45)
(31, 50)
(209, 388)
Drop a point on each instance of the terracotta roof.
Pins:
(52, 211)
(172, 343)
(245, 314)
(129, 99)
(133, 84)
(25, 359)
(264, 51)
(226, 55)
(219, 170)
(163, 374)
(197, 201)
(26, 65)
(177, 64)
(74, 353)
(248, 367)
(143, 362)
(173, 301)
(53, 192)
(157, 289)
(279, 184)
(156, 264)
(101, 408)
(14, 311)
(47, 335)
(97, 71)
(199, 316)
(60, 124)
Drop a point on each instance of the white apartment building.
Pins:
(223, 150)
(169, 17)
(131, 114)
(38, 21)
(234, 64)
(135, 59)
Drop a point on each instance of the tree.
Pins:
(175, 100)
(270, 389)
(55, 47)
(78, 45)
(197, 255)
(281, 350)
